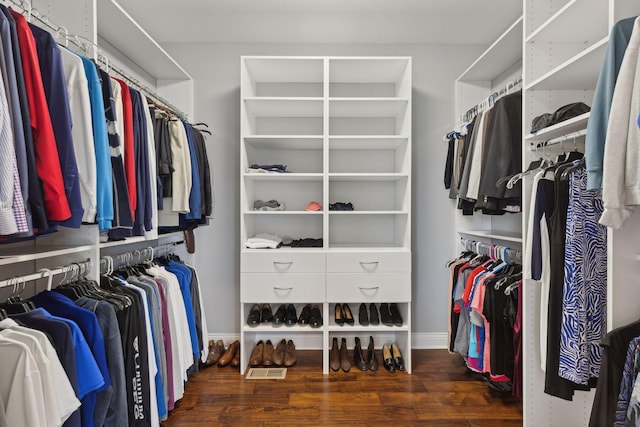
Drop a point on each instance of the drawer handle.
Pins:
(277, 288)
(369, 266)
(363, 263)
(368, 288)
(282, 262)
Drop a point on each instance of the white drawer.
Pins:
(381, 287)
(368, 262)
(294, 287)
(282, 262)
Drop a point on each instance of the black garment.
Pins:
(554, 384)
(454, 317)
(143, 213)
(36, 197)
(448, 167)
(164, 160)
(502, 151)
(614, 352)
(194, 288)
(134, 346)
(206, 196)
(307, 243)
(62, 341)
(544, 204)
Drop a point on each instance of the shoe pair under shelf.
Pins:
(392, 358)
(368, 361)
(285, 314)
(263, 354)
(390, 314)
(339, 358)
(259, 315)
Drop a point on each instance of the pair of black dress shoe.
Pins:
(311, 315)
(370, 362)
(259, 315)
(390, 314)
(285, 314)
(392, 358)
(366, 318)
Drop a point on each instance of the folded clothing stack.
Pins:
(341, 206)
(307, 243)
(271, 205)
(255, 168)
(264, 241)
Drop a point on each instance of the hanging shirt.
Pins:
(142, 219)
(195, 194)
(55, 90)
(47, 160)
(181, 177)
(125, 123)
(206, 199)
(151, 154)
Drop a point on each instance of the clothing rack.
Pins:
(76, 269)
(560, 140)
(137, 256)
(488, 102)
(85, 44)
(508, 255)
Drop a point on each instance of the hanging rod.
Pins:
(488, 102)
(560, 139)
(85, 44)
(513, 256)
(135, 256)
(80, 268)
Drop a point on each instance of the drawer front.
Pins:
(282, 262)
(368, 262)
(270, 287)
(381, 287)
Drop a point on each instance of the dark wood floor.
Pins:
(440, 392)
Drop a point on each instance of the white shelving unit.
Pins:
(564, 46)
(342, 125)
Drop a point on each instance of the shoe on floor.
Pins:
(278, 353)
(257, 354)
(267, 355)
(334, 356)
(229, 354)
(290, 358)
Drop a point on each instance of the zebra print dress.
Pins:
(584, 308)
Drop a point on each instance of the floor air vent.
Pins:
(266, 374)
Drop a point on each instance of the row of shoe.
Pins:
(285, 314)
(389, 315)
(222, 357)
(339, 359)
(263, 354)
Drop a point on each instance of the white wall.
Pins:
(216, 72)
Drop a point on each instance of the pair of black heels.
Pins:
(343, 315)
(392, 358)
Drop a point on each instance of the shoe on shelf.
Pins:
(396, 317)
(316, 317)
(374, 320)
(235, 361)
(348, 316)
(290, 318)
(397, 357)
(216, 350)
(358, 357)
(254, 315)
(229, 354)
(372, 360)
(345, 362)
(267, 356)
(257, 354)
(305, 316)
(290, 354)
(387, 359)
(279, 317)
(266, 315)
(339, 315)
(363, 316)
(334, 356)
(385, 315)
(278, 353)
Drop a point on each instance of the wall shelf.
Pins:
(592, 26)
(30, 253)
(566, 127)
(494, 235)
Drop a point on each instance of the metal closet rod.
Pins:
(560, 139)
(489, 100)
(135, 256)
(85, 44)
(495, 251)
(84, 266)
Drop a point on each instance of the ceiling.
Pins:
(325, 21)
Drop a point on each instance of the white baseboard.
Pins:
(419, 340)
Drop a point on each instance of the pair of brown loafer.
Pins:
(218, 355)
(264, 354)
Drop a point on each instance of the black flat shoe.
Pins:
(396, 318)
(290, 318)
(385, 315)
(305, 315)
(254, 315)
(387, 359)
(267, 314)
(372, 360)
(363, 316)
(348, 316)
(358, 358)
(281, 312)
(373, 315)
(397, 357)
(316, 317)
(339, 315)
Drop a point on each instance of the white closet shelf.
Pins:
(118, 28)
(30, 253)
(348, 329)
(285, 142)
(566, 127)
(578, 73)
(589, 13)
(359, 142)
(367, 176)
(503, 53)
(283, 249)
(497, 235)
(285, 69)
(284, 106)
(377, 212)
(283, 212)
(130, 240)
(283, 176)
(367, 107)
(366, 70)
(366, 247)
